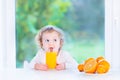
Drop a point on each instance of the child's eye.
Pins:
(47, 40)
(55, 40)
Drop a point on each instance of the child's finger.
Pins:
(58, 67)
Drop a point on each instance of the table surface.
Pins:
(27, 74)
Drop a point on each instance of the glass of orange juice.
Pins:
(51, 59)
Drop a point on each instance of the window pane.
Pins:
(81, 20)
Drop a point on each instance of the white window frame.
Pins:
(108, 29)
(116, 35)
(112, 33)
(11, 34)
(1, 36)
(111, 21)
(7, 34)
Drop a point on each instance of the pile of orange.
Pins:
(91, 65)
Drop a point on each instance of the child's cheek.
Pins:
(57, 46)
(45, 47)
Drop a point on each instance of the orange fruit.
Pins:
(88, 60)
(81, 67)
(90, 65)
(103, 67)
(99, 58)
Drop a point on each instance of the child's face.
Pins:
(51, 41)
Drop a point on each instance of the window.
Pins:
(84, 28)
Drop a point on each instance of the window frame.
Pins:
(7, 32)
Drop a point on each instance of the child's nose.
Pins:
(51, 43)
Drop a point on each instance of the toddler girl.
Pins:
(50, 38)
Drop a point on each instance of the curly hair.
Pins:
(49, 28)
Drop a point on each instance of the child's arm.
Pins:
(36, 62)
(66, 62)
(60, 66)
(70, 63)
(43, 67)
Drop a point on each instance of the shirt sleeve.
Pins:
(35, 60)
(70, 62)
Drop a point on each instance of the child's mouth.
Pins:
(51, 49)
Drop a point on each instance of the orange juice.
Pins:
(51, 59)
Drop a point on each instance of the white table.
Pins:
(25, 74)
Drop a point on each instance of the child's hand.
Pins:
(43, 67)
(60, 66)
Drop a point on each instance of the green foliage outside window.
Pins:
(81, 20)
